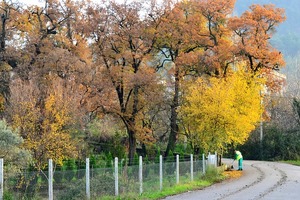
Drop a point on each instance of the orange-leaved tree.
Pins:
(252, 34)
(123, 81)
(193, 36)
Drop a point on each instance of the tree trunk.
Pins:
(131, 127)
(174, 115)
(3, 32)
(132, 146)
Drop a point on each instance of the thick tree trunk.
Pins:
(132, 146)
(131, 126)
(173, 132)
(174, 115)
(4, 17)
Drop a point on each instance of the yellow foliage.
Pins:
(2, 102)
(222, 111)
(45, 133)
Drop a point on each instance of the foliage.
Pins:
(106, 136)
(46, 134)
(101, 60)
(11, 149)
(280, 133)
(221, 111)
(2, 102)
(213, 174)
(103, 128)
(276, 145)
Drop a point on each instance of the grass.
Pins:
(213, 175)
(167, 191)
(293, 162)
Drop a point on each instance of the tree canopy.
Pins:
(75, 62)
(221, 112)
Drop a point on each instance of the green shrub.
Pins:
(8, 195)
(71, 168)
(213, 174)
(73, 191)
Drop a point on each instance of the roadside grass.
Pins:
(213, 175)
(293, 162)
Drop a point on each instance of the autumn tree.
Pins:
(221, 111)
(51, 54)
(192, 37)
(8, 48)
(201, 38)
(252, 33)
(123, 80)
(106, 59)
(49, 139)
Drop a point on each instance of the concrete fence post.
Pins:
(50, 179)
(87, 178)
(160, 173)
(1, 178)
(116, 177)
(203, 164)
(177, 169)
(141, 174)
(216, 159)
(192, 168)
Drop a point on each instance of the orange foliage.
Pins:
(253, 31)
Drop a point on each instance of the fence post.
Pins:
(1, 178)
(192, 168)
(50, 179)
(87, 178)
(216, 159)
(160, 172)
(203, 164)
(177, 169)
(141, 174)
(116, 177)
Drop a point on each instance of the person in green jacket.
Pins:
(239, 158)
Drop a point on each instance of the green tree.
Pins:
(11, 150)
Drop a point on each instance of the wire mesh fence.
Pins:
(99, 182)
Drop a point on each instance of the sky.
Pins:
(40, 2)
(31, 2)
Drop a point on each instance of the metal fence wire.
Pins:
(93, 183)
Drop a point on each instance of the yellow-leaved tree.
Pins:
(221, 111)
(46, 133)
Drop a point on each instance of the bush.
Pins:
(72, 191)
(276, 145)
(101, 185)
(213, 174)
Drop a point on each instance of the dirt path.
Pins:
(260, 180)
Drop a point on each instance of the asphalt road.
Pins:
(260, 180)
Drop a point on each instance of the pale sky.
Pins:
(41, 2)
(32, 2)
